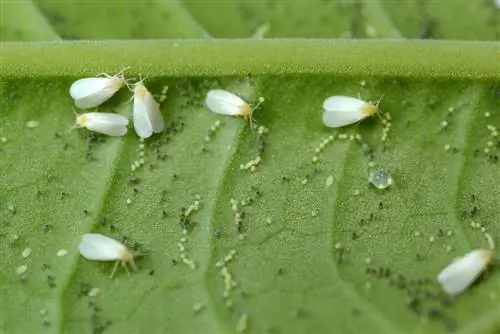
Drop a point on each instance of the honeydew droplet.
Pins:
(242, 324)
(329, 180)
(26, 252)
(21, 269)
(343, 136)
(381, 178)
(62, 252)
(32, 124)
(94, 292)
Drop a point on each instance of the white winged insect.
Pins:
(146, 114)
(106, 123)
(223, 102)
(340, 111)
(462, 272)
(98, 247)
(92, 92)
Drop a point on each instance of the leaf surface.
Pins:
(310, 244)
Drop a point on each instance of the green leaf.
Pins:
(21, 21)
(318, 248)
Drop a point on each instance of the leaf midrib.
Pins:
(198, 58)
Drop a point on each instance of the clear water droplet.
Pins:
(381, 178)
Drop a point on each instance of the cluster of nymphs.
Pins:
(92, 92)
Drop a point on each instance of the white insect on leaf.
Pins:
(146, 114)
(92, 92)
(223, 102)
(462, 272)
(106, 123)
(98, 247)
(339, 111)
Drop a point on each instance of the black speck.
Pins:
(51, 281)
(83, 289)
(434, 313)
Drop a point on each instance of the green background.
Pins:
(310, 258)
